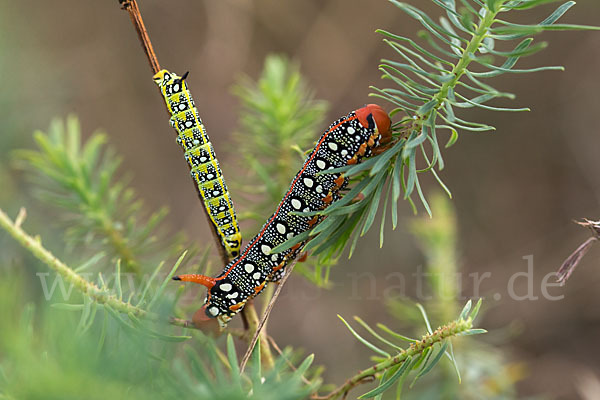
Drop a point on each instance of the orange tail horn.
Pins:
(196, 278)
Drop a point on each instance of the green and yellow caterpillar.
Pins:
(200, 155)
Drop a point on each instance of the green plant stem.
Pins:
(119, 243)
(445, 332)
(34, 246)
(460, 67)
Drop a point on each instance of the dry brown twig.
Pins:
(249, 313)
(263, 320)
(138, 23)
(569, 265)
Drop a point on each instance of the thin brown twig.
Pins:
(569, 265)
(184, 323)
(138, 23)
(136, 19)
(265, 316)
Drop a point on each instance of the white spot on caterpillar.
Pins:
(256, 275)
(321, 164)
(308, 182)
(333, 146)
(210, 176)
(275, 257)
(176, 87)
(226, 287)
(214, 311)
(319, 189)
(249, 268)
(182, 107)
(233, 295)
(203, 159)
(296, 204)
(344, 153)
(290, 235)
(265, 249)
(216, 192)
(306, 209)
(188, 124)
(195, 142)
(351, 130)
(280, 228)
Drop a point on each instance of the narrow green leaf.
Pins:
(453, 360)
(472, 332)
(167, 280)
(68, 307)
(412, 43)
(141, 327)
(428, 367)
(118, 280)
(90, 262)
(376, 335)
(383, 160)
(302, 368)
(331, 229)
(395, 334)
(422, 359)
(149, 283)
(475, 311)
(387, 195)
(233, 360)
(466, 309)
(364, 341)
(422, 197)
(525, 5)
(396, 176)
(288, 244)
(412, 174)
(373, 207)
(385, 385)
(424, 314)
(348, 197)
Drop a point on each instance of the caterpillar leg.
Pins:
(277, 276)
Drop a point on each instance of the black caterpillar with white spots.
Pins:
(346, 141)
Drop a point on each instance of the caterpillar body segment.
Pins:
(200, 156)
(346, 141)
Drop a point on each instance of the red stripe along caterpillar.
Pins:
(200, 155)
(346, 141)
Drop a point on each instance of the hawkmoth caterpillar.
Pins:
(346, 141)
(200, 155)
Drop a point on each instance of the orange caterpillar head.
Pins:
(374, 114)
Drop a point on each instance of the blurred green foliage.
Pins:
(43, 357)
(99, 211)
(486, 373)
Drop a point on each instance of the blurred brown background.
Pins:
(515, 190)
